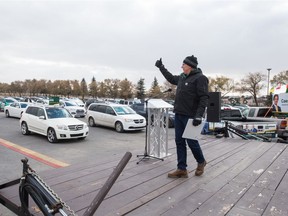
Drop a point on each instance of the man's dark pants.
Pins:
(180, 124)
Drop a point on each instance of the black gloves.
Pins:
(159, 63)
(196, 121)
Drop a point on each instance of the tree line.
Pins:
(253, 84)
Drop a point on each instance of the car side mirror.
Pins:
(42, 117)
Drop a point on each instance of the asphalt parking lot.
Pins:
(100, 143)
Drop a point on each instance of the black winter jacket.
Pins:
(192, 92)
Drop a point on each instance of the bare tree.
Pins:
(221, 84)
(281, 78)
(252, 84)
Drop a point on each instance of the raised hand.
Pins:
(159, 63)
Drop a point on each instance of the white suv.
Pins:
(54, 122)
(120, 117)
(73, 108)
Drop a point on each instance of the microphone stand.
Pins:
(146, 155)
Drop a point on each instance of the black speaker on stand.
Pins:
(214, 107)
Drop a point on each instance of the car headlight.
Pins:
(62, 127)
(128, 120)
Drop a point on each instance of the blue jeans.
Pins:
(180, 124)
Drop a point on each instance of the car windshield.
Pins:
(23, 105)
(123, 110)
(70, 103)
(57, 113)
(10, 100)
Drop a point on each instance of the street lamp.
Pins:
(268, 69)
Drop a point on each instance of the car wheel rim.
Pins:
(91, 122)
(51, 136)
(24, 128)
(119, 127)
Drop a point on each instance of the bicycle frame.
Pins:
(31, 185)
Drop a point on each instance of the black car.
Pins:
(140, 108)
(90, 101)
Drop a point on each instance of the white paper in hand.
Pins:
(192, 132)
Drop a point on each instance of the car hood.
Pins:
(132, 116)
(66, 121)
(74, 107)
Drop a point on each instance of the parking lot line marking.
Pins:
(32, 154)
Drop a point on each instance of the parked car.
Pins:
(15, 109)
(73, 108)
(118, 116)
(37, 100)
(6, 102)
(258, 112)
(231, 114)
(78, 101)
(54, 122)
(92, 100)
(140, 108)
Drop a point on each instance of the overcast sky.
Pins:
(123, 38)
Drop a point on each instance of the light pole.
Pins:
(268, 69)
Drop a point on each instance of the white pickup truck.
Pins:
(255, 126)
(265, 114)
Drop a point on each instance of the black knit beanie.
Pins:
(191, 61)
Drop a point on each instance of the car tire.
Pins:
(119, 127)
(24, 128)
(51, 135)
(91, 122)
(7, 114)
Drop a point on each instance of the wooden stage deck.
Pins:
(242, 177)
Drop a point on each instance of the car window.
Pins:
(123, 110)
(32, 110)
(110, 111)
(138, 107)
(70, 103)
(51, 113)
(265, 112)
(23, 105)
(57, 113)
(230, 113)
(101, 108)
(9, 101)
(93, 107)
(40, 112)
(251, 112)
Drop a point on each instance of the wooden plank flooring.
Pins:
(242, 177)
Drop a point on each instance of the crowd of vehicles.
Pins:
(59, 121)
(133, 115)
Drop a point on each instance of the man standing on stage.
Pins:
(190, 103)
